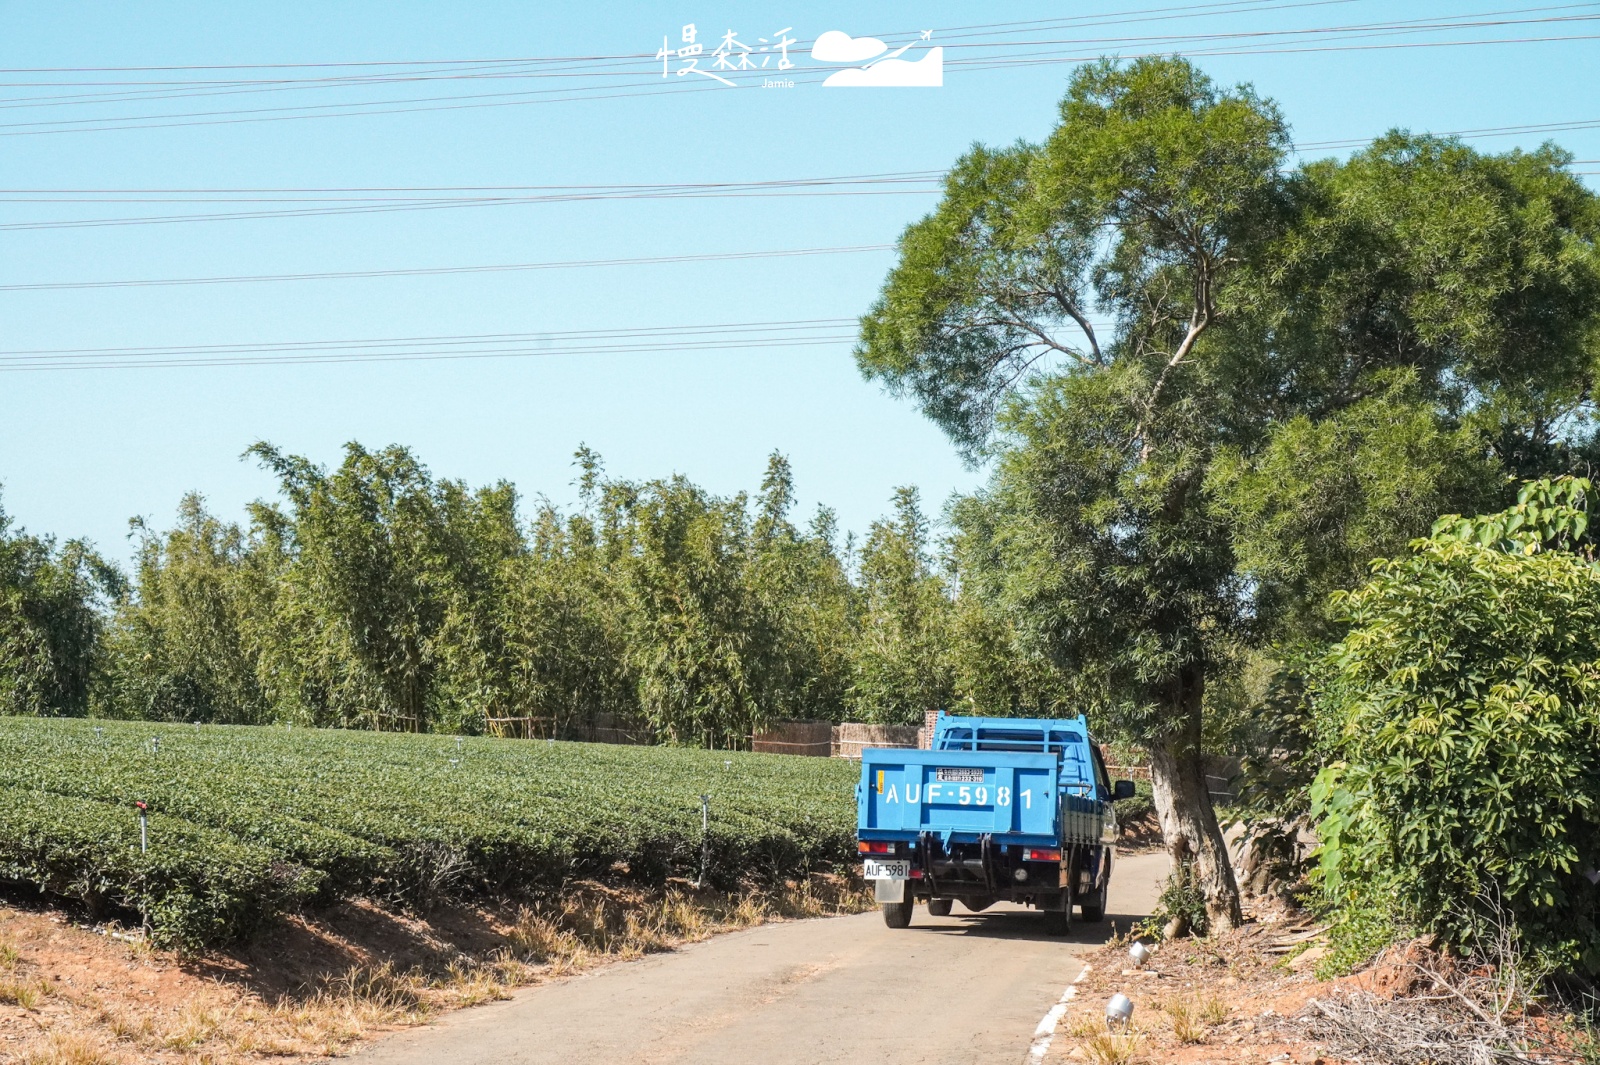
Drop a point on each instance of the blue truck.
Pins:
(998, 809)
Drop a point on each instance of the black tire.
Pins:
(898, 914)
(1059, 922)
(978, 903)
(940, 907)
(1093, 908)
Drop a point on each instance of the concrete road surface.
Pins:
(958, 990)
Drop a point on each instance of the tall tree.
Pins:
(902, 657)
(705, 650)
(800, 581)
(51, 621)
(1222, 385)
(388, 601)
(185, 646)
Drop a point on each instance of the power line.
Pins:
(426, 271)
(644, 340)
(1480, 133)
(1186, 10)
(652, 86)
(325, 201)
(353, 202)
(451, 338)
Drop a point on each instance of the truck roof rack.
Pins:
(1039, 735)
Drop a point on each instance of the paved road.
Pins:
(958, 990)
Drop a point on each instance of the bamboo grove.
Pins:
(377, 596)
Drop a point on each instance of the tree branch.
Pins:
(1199, 319)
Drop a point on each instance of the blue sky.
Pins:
(82, 451)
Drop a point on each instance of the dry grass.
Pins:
(197, 1023)
(584, 927)
(24, 993)
(1193, 1018)
(128, 1028)
(9, 954)
(73, 1048)
(1113, 1048)
(1187, 1027)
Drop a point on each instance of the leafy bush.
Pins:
(1143, 803)
(1182, 900)
(1461, 716)
(248, 820)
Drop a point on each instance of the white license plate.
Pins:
(958, 775)
(877, 870)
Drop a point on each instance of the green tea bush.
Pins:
(248, 820)
(1461, 717)
(196, 887)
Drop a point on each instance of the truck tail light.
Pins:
(1041, 854)
(874, 847)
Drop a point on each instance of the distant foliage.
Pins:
(1462, 714)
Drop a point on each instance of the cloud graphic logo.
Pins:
(893, 72)
(836, 46)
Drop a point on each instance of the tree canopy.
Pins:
(1212, 385)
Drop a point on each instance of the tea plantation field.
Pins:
(247, 822)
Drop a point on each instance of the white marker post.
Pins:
(144, 848)
(705, 839)
(144, 828)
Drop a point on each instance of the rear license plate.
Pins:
(873, 869)
(958, 775)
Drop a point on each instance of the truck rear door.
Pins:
(962, 795)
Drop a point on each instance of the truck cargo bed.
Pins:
(961, 796)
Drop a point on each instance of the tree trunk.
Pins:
(1183, 803)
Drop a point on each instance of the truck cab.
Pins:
(998, 809)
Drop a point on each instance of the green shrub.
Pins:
(1181, 899)
(1142, 805)
(1461, 717)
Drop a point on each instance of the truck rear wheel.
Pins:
(939, 907)
(1093, 908)
(898, 914)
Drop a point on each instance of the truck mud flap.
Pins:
(986, 851)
